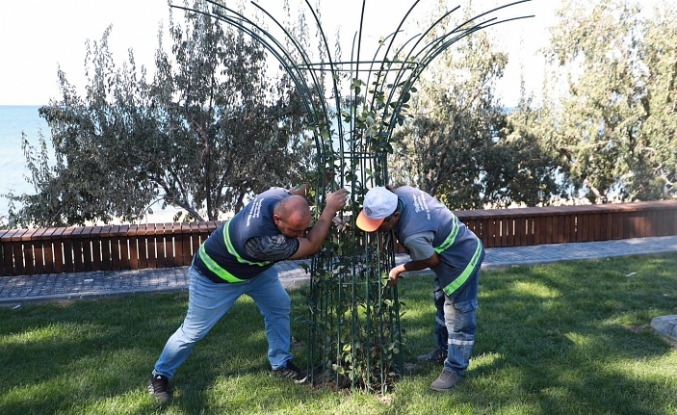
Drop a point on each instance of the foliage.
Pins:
(614, 125)
(355, 336)
(456, 148)
(535, 172)
(656, 178)
(213, 126)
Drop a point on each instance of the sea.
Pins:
(18, 119)
(15, 119)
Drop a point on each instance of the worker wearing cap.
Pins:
(435, 239)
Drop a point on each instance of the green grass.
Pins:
(566, 338)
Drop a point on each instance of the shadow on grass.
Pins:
(557, 339)
(563, 338)
(55, 358)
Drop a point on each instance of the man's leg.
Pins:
(207, 303)
(462, 325)
(275, 305)
(459, 314)
(441, 332)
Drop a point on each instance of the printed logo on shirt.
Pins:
(421, 205)
(255, 210)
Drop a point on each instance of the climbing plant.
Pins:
(353, 107)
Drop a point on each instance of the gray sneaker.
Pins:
(291, 371)
(446, 381)
(436, 356)
(159, 388)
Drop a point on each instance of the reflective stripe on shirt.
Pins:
(233, 252)
(216, 268)
(458, 282)
(451, 238)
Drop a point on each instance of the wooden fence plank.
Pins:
(161, 258)
(147, 233)
(123, 243)
(169, 245)
(133, 239)
(540, 229)
(152, 246)
(106, 247)
(28, 251)
(39, 250)
(59, 250)
(87, 255)
(116, 261)
(520, 231)
(17, 245)
(186, 247)
(195, 236)
(96, 241)
(3, 256)
(78, 249)
(8, 252)
(618, 221)
(177, 235)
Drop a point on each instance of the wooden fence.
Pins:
(93, 248)
(120, 247)
(564, 224)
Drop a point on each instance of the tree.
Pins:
(614, 124)
(536, 172)
(211, 127)
(456, 148)
(656, 178)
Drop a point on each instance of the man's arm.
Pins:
(420, 246)
(313, 242)
(431, 262)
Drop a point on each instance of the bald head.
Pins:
(292, 216)
(292, 205)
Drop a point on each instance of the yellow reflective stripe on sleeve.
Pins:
(458, 282)
(233, 252)
(216, 268)
(451, 238)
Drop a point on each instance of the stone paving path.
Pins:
(17, 290)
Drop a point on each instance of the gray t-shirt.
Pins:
(420, 245)
(272, 248)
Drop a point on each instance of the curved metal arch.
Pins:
(360, 268)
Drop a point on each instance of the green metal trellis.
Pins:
(354, 332)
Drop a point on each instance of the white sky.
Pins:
(38, 36)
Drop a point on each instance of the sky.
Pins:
(39, 36)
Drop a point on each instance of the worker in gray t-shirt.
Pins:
(435, 239)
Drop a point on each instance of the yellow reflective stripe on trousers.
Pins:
(216, 268)
(451, 238)
(451, 288)
(233, 252)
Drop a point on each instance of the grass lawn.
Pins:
(565, 338)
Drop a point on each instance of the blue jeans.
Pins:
(455, 321)
(209, 301)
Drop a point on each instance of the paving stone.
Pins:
(87, 285)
